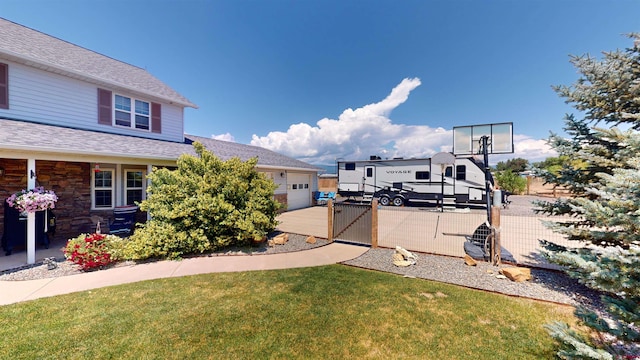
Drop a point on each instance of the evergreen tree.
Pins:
(603, 177)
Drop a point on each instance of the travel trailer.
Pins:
(398, 181)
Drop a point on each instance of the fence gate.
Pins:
(353, 223)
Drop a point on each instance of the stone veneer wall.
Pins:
(71, 182)
(282, 199)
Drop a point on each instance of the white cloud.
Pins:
(224, 137)
(369, 130)
(525, 147)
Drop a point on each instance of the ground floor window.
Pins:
(112, 186)
(103, 189)
(134, 186)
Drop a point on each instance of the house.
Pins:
(91, 127)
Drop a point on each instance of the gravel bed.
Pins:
(521, 205)
(546, 285)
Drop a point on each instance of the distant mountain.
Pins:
(326, 169)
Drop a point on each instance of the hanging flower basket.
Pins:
(34, 200)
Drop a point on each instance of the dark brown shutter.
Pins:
(104, 107)
(156, 118)
(4, 86)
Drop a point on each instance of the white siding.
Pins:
(37, 95)
(281, 181)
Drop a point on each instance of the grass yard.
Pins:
(330, 312)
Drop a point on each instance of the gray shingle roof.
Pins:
(20, 43)
(226, 150)
(32, 137)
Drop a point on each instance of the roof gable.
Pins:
(25, 45)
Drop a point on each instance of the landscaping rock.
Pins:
(403, 257)
(311, 239)
(469, 261)
(517, 274)
(279, 240)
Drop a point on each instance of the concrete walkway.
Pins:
(17, 291)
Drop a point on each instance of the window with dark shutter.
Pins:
(4, 86)
(104, 107)
(156, 118)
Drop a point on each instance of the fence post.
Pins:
(330, 222)
(374, 223)
(496, 248)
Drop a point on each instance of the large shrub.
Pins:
(203, 205)
(511, 182)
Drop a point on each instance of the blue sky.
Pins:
(321, 80)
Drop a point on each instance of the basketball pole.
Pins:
(487, 175)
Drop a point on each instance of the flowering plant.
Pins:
(90, 251)
(34, 200)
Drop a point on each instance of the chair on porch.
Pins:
(124, 219)
(14, 233)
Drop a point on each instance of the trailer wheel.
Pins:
(398, 201)
(384, 201)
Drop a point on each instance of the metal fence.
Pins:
(444, 233)
(353, 223)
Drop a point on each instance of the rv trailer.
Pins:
(398, 181)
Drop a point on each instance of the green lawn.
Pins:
(330, 312)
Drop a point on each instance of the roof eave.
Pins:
(85, 154)
(289, 168)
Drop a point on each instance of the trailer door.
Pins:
(369, 179)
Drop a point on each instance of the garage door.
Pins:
(298, 191)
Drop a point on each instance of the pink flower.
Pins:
(34, 200)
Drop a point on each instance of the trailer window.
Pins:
(422, 175)
(350, 166)
(461, 172)
(369, 172)
(448, 172)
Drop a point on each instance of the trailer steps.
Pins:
(367, 198)
(449, 203)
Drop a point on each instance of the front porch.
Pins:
(80, 204)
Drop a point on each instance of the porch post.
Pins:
(149, 169)
(31, 216)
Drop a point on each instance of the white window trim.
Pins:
(112, 188)
(132, 113)
(126, 188)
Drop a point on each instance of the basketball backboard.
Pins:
(467, 139)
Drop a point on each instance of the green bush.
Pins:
(203, 205)
(511, 182)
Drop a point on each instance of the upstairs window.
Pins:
(4, 86)
(132, 113)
